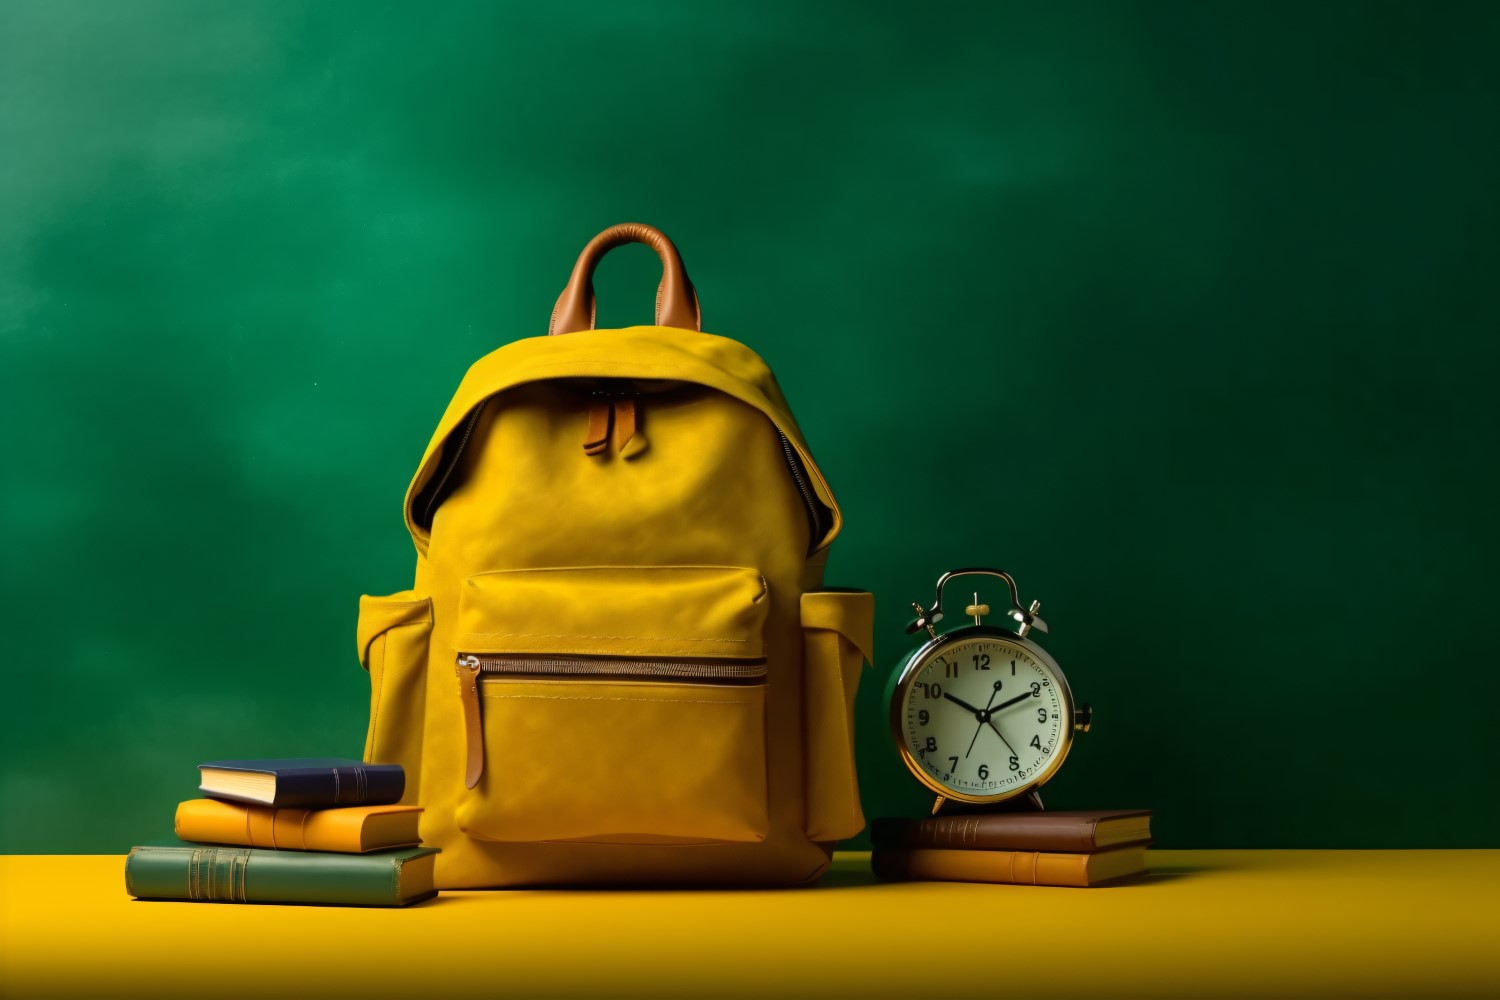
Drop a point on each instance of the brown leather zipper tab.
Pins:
(629, 441)
(618, 410)
(468, 670)
(596, 438)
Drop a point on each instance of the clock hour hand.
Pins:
(978, 712)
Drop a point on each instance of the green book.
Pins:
(246, 875)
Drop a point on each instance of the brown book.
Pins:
(1073, 832)
(1010, 867)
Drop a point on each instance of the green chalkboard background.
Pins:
(1184, 313)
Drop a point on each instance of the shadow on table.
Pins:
(842, 875)
(848, 877)
(834, 880)
(1159, 876)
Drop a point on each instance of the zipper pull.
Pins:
(629, 441)
(596, 438)
(468, 670)
(614, 407)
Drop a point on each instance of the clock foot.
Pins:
(1030, 802)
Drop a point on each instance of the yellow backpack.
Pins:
(617, 663)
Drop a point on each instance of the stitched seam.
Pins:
(581, 635)
(379, 687)
(383, 603)
(664, 701)
(612, 566)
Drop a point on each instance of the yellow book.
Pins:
(344, 830)
(1014, 867)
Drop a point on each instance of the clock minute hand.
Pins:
(1006, 704)
(978, 712)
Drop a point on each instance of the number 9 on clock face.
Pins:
(982, 718)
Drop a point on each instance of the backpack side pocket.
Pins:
(837, 636)
(392, 636)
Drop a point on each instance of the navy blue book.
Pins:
(303, 782)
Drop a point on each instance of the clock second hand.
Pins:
(983, 718)
(991, 720)
(989, 716)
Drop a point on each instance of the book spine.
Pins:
(1009, 867)
(209, 821)
(972, 833)
(359, 785)
(239, 875)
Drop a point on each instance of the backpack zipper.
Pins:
(470, 667)
(439, 492)
(614, 666)
(815, 529)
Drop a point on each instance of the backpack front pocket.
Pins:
(614, 704)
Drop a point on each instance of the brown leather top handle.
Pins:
(676, 299)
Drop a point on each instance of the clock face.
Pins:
(983, 717)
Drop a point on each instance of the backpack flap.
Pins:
(640, 353)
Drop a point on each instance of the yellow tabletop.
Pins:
(1204, 923)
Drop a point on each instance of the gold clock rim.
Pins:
(908, 674)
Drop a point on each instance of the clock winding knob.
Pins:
(1083, 717)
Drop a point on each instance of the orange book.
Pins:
(1013, 867)
(343, 830)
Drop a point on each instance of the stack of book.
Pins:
(1022, 848)
(305, 830)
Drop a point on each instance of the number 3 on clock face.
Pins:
(982, 718)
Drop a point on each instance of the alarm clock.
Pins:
(981, 714)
